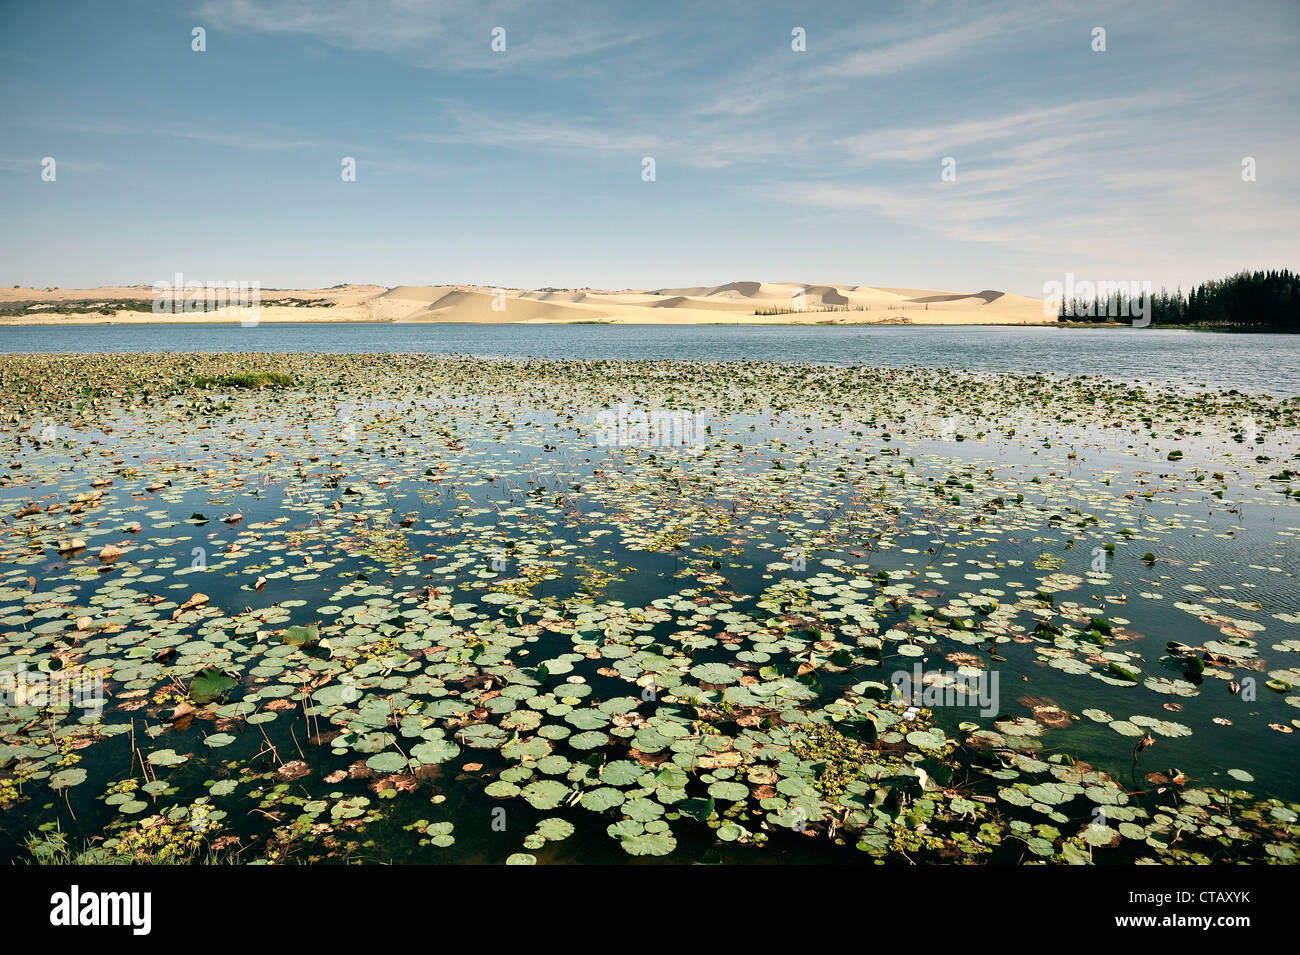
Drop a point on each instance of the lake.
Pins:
(1260, 363)
(416, 608)
(428, 609)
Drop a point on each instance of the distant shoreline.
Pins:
(78, 322)
(86, 321)
(126, 318)
(748, 304)
(734, 303)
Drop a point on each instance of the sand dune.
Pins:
(916, 295)
(465, 305)
(744, 302)
(827, 295)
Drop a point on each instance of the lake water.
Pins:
(435, 613)
(1258, 363)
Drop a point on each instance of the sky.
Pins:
(525, 167)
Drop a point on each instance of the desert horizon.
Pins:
(733, 303)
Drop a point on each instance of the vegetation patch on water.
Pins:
(248, 379)
(272, 608)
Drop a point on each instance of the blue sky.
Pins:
(523, 168)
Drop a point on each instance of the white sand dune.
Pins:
(484, 307)
(744, 302)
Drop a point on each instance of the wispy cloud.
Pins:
(692, 144)
(926, 38)
(33, 164)
(277, 138)
(1074, 194)
(432, 34)
(933, 48)
(1063, 155)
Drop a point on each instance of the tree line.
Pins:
(1261, 301)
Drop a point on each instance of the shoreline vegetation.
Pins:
(82, 319)
(1246, 301)
(85, 321)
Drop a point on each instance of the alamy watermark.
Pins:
(628, 427)
(939, 688)
(133, 910)
(180, 297)
(77, 686)
(1105, 298)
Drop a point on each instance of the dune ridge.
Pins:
(737, 303)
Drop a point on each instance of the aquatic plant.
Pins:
(357, 614)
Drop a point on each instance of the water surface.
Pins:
(1260, 363)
